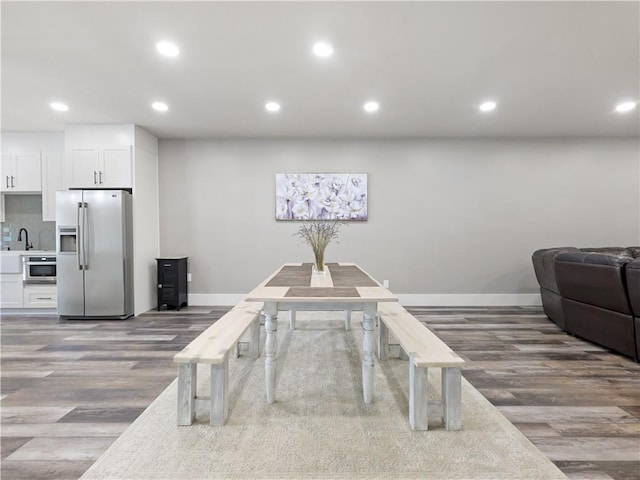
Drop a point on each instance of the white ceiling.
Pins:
(555, 68)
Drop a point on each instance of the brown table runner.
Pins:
(322, 292)
(349, 276)
(292, 275)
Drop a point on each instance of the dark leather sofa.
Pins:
(593, 293)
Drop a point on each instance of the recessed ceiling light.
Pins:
(61, 107)
(322, 49)
(488, 106)
(371, 106)
(625, 107)
(272, 107)
(168, 49)
(160, 106)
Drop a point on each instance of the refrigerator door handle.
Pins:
(79, 236)
(85, 214)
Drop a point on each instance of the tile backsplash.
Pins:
(25, 211)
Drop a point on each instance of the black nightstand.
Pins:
(172, 282)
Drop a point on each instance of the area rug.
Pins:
(319, 427)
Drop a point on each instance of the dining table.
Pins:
(340, 287)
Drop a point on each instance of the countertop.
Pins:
(26, 252)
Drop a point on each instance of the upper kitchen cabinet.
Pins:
(26, 156)
(99, 166)
(21, 172)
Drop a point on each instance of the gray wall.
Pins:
(446, 216)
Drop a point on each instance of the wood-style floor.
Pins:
(69, 389)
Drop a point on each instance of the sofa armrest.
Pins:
(543, 266)
(633, 285)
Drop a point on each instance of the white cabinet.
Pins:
(94, 167)
(21, 172)
(11, 295)
(51, 182)
(10, 280)
(40, 296)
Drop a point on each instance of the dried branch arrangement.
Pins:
(318, 235)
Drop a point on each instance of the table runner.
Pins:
(341, 276)
(292, 275)
(322, 292)
(349, 276)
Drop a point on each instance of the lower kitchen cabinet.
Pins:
(11, 295)
(40, 296)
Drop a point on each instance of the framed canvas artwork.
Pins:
(321, 196)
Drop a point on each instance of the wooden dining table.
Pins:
(341, 287)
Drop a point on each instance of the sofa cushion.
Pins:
(607, 250)
(635, 251)
(594, 278)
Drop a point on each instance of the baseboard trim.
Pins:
(409, 299)
(29, 311)
(471, 299)
(216, 299)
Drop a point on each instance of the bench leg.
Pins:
(368, 346)
(187, 377)
(254, 342)
(347, 319)
(270, 349)
(219, 386)
(418, 402)
(452, 398)
(292, 319)
(402, 355)
(383, 340)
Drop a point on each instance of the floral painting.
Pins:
(321, 196)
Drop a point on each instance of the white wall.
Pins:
(451, 221)
(20, 142)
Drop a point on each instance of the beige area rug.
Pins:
(319, 426)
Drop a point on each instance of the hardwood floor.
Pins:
(69, 389)
(577, 402)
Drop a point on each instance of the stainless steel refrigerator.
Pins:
(94, 246)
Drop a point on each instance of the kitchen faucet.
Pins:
(26, 239)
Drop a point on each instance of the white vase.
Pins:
(315, 271)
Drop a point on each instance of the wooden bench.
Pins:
(212, 347)
(425, 350)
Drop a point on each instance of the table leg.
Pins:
(270, 349)
(347, 319)
(367, 350)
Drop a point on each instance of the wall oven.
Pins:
(39, 269)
